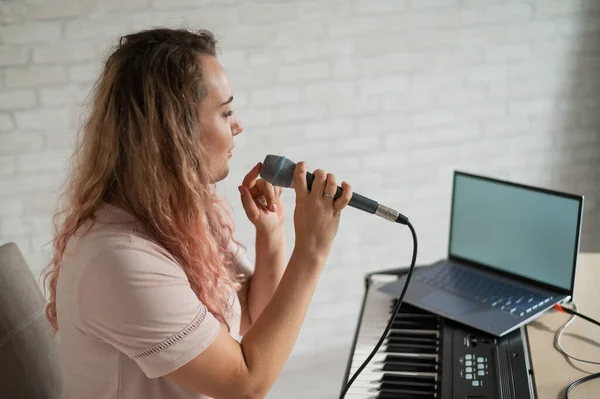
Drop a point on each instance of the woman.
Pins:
(147, 287)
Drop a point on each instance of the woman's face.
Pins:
(217, 120)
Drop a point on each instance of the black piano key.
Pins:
(405, 394)
(416, 339)
(408, 379)
(410, 364)
(425, 324)
(425, 383)
(411, 348)
(406, 308)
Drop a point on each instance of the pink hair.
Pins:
(142, 148)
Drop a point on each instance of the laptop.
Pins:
(511, 256)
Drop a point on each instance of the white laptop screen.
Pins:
(517, 229)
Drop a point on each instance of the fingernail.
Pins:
(274, 208)
(240, 189)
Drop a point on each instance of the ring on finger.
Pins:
(328, 195)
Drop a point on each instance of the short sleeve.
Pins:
(140, 301)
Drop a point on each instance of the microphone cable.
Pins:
(574, 314)
(394, 312)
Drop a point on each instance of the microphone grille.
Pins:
(277, 170)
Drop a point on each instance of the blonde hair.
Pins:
(142, 147)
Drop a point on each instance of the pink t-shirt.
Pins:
(127, 314)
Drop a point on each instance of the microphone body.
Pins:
(279, 171)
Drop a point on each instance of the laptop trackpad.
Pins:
(448, 303)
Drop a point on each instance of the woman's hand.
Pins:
(262, 202)
(317, 213)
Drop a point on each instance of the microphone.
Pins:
(279, 171)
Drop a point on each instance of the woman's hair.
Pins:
(141, 147)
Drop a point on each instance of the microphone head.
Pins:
(279, 171)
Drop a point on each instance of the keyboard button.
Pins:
(469, 376)
(468, 357)
(475, 383)
(481, 372)
(480, 366)
(469, 369)
(480, 360)
(468, 363)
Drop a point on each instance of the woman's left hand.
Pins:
(262, 201)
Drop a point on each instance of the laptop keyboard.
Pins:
(497, 294)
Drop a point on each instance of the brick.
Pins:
(482, 112)
(256, 117)
(304, 72)
(34, 32)
(6, 123)
(275, 96)
(13, 55)
(64, 95)
(43, 161)
(55, 9)
(545, 9)
(329, 91)
(318, 50)
(345, 68)
(381, 123)
(110, 28)
(356, 26)
(84, 73)
(419, 4)
(14, 143)
(300, 112)
(26, 184)
(485, 73)
(507, 126)
(385, 7)
(16, 99)
(10, 206)
(356, 145)
(527, 107)
(507, 53)
(410, 101)
(384, 160)
(65, 52)
(34, 76)
(269, 13)
(8, 166)
(464, 134)
(462, 97)
(170, 4)
(354, 106)
(107, 6)
(498, 13)
(380, 85)
(329, 129)
(43, 118)
(232, 58)
(214, 18)
(433, 118)
(12, 12)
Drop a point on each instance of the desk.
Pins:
(553, 373)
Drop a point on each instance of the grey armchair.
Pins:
(29, 367)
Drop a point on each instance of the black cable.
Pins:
(579, 382)
(394, 312)
(571, 311)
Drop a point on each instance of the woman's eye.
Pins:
(227, 114)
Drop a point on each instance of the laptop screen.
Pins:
(517, 229)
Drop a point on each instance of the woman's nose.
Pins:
(237, 127)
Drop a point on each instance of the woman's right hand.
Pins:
(317, 215)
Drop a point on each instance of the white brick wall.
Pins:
(391, 95)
